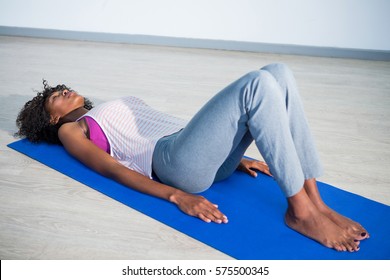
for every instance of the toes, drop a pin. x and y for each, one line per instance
(358, 233)
(351, 245)
(357, 242)
(338, 247)
(361, 231)
(347, 244)
(361, 235)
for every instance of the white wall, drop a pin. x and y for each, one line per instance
(356, 24)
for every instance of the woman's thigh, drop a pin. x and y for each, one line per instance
(212, 142)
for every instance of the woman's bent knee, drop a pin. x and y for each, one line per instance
(277, 68)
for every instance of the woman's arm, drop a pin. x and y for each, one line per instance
(79, 146)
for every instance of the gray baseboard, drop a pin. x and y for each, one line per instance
(196, 43)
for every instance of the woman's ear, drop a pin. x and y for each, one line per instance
(54, 120)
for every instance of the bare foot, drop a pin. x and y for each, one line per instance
(304, 217)
(352, 227)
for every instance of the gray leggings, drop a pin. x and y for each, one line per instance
(263, 106)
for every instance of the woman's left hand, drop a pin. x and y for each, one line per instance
(250, 166)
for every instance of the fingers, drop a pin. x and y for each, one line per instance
(252, 173)
(258, 165)
(266, 171)
(209, 213)
(200, 207)
(264, 168)
(212, 218)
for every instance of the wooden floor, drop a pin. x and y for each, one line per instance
(46, 215)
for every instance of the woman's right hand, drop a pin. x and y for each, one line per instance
(198, 206)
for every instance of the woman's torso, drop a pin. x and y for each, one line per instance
(129, 129)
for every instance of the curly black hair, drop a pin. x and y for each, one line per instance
(33, 120)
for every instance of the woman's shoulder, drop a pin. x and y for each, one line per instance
(71, 129)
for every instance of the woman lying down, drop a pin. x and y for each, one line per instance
(130, 142)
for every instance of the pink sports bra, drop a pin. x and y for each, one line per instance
(96, 134)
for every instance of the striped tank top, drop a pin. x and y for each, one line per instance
(132, 129)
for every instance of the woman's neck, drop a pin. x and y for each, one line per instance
(74, 115)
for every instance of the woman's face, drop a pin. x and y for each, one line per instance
(61, 103)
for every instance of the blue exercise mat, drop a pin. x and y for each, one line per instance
(255, 208)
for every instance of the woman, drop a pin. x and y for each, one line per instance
(128, 141)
